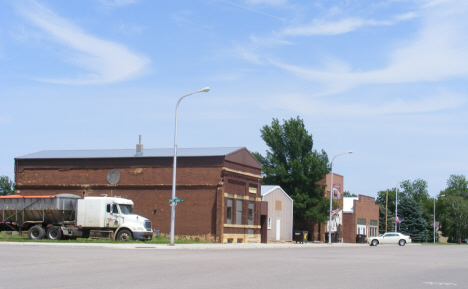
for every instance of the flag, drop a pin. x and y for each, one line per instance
(398, 220)
(438, 228)
(334, 212)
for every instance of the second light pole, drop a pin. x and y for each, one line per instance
(331, 196)
(174, 169)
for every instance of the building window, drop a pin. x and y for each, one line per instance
(269, 223)
(361, 226)
(251, 213)
(229, 211)
(373, 230)
(239, 212)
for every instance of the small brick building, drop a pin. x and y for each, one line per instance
(360, 217)
(220, 186)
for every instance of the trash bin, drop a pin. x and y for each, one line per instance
(305, 234)
(360, 238)
(299, 237)
(334, 237)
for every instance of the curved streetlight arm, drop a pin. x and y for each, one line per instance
(174, 168)
(331, 196)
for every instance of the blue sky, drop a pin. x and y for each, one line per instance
(386, 79)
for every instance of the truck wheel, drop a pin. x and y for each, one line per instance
(124, 235)
(375, 242)
(54, 233)
(36, 233)
(402, 242)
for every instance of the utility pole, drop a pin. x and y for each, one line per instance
(386, 209)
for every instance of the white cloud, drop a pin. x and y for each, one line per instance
(267, 2)
(439, 52)
(106, 61)
(311, 106)
(117, 3)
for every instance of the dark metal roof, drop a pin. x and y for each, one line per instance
(129, 153)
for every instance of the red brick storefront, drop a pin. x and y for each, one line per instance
(205, 178)
(362, 218)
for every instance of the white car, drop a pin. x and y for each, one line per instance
(389, 238)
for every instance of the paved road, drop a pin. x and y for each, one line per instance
(140, 266)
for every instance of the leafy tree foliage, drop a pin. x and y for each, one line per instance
(453, 208)
(381, 199)
(390, 220)
(6, 186)
(292, 163)
(414, 224)
(348, 194)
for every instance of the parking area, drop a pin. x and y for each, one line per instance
(308, 266)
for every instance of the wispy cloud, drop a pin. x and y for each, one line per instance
(311, 106)
(105, 61)
(117, 3)
(267, 2)
(439, 52)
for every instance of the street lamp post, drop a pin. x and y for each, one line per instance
(174, 169)
(331, 196)
(396, 203)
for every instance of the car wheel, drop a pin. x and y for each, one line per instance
(375, 242)
(402, 242)
(36, 233)
(54, 233)
(124, 235)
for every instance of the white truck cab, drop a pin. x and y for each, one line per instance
(112, 214)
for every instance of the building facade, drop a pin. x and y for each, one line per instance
(280, 214)
(220, 186)
(360, 217)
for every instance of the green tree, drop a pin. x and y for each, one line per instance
(453, 208)
(6, 186)
(381, 199)
(417, 190)
(390, 220)
(414, 223)
(347, 194)
(292, 163)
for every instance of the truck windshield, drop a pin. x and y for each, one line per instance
(126, 209)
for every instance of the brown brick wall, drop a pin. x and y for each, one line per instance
(148, 182)
(364, 208)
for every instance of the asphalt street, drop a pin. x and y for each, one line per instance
(55, 266)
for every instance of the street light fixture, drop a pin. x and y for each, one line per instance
(174, 169)
(396, 203)
(434, 218)
(331, 196)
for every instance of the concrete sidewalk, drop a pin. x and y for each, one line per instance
(210, 246)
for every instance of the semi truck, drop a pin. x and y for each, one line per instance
(67, 216)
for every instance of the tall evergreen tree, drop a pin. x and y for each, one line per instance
(414, 224)
(292, 163)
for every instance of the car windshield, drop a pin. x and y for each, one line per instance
(126, 209)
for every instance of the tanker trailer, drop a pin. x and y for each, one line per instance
(69, 216)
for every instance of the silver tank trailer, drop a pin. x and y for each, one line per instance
(58, 209)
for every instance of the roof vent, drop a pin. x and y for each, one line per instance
(139, 149)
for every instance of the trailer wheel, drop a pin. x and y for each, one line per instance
(54, 233)
(36, 233)
(124, 235)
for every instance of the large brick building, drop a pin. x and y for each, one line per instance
(360, 217)
(220, 186)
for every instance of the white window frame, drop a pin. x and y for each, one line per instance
(269, 223)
